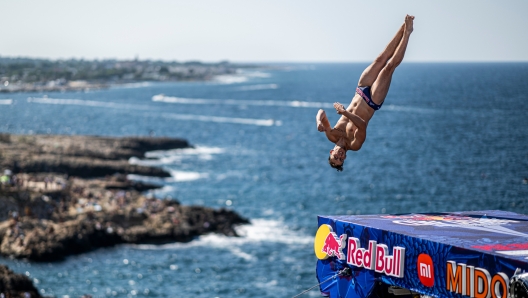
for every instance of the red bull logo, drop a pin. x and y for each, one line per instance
(328, 244)
(376, 257)
(333, 246)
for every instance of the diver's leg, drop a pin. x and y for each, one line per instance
(381, 85)
(370, 73)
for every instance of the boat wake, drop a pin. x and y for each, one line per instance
(89, 103)
(258, 87)
(240, 77)
(240, 102)
(113, 105)
(217, 119)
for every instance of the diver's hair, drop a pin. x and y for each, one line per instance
(338, 168)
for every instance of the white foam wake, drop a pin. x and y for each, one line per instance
(265, 230)
(113, 105)
(176, 176)
(397, 108)
(170, 156)
(231, 79)
(258, 87)
(160, 158)
(158, 162)
(89, 103)
(260, 231)
(133, 85)
(149, 179)
(240, 76)
(180, 176)
(216, 119)
(6, 101)
(203, 101)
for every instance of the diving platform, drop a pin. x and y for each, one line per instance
(452, 254)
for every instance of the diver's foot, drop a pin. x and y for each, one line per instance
(409, 20)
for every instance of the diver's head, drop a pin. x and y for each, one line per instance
(337, 158)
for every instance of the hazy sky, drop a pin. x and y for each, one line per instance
(271, 30)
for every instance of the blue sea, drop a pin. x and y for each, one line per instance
(450, 137)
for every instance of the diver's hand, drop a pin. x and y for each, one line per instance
(320, 127)
(340, 109)
(320, 116)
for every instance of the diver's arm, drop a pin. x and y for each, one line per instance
(322, 122)
(358, 121)
(324, 125)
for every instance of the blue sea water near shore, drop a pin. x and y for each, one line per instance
(450, 137)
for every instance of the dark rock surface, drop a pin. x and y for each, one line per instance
(81, 156)
(68, 195)
(16, 285)
(142, 220)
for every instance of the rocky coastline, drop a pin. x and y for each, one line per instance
(43, 75)
(70, 86)
(64, 195)
(16, 285)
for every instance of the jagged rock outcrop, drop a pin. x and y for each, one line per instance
(81, 156)
(16, 285)
(69, 194)
(48, 240)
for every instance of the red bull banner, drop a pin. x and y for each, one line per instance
(456, 254)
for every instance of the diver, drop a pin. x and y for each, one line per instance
(350, 131)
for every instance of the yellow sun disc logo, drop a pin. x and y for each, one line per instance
(320, 239)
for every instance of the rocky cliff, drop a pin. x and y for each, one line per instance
(16, 285)
(81, 156)
(65, 195)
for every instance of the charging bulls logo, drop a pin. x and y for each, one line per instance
(328, 244)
